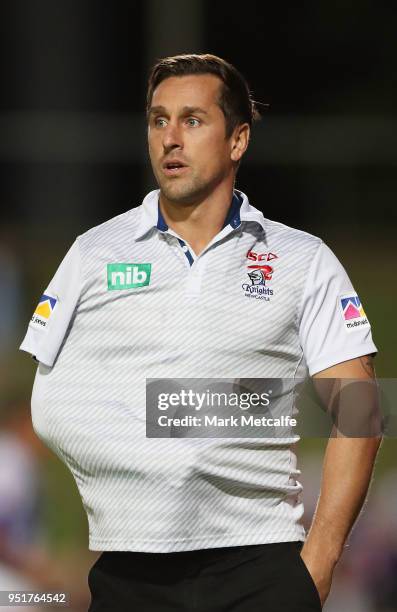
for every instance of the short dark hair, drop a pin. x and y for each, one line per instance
(235, 98)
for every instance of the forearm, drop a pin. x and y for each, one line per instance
(347, 470)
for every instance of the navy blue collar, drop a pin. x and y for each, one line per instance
(232, 217)
(161, 224)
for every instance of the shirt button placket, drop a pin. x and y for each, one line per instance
(193, 287)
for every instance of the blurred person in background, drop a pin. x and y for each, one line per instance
(373, 555)
(217, 524)
(25, 561)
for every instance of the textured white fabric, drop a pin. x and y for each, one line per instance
(197, 321)
(323, 334)
(65, 287)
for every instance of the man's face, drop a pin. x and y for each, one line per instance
(187, 126)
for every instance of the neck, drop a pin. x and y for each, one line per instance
(198, 222)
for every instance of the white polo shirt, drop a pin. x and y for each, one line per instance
(131, 301)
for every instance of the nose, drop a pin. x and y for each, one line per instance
(172, 138)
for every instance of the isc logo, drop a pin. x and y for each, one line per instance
(128, 275)
(261, 256)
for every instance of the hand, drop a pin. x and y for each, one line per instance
(321, 573)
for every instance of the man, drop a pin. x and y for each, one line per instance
(198, 524)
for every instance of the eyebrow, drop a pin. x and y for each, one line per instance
(186, 110)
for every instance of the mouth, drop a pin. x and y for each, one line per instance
(174, 168)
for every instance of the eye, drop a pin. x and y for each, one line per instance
(159, 122)
(193, 122)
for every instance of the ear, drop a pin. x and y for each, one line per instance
(239, 141)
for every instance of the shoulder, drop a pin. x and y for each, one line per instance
(291, 239)
(112, 231)
(305, 248)
(290, 232)
(276, 231)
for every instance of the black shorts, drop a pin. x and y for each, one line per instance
(254, 578)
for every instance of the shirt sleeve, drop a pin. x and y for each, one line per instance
(51, 319)
(333, 326)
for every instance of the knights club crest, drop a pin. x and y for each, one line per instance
(259, 277)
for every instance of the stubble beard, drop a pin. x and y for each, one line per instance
(185, 190)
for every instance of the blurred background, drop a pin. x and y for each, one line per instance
(73, 154)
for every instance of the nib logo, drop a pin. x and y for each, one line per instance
(128, 275)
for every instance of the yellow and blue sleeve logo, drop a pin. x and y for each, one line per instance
(44, 310)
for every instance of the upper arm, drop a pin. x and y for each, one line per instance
(334, 331)
(55, 309)
(358, 368)
(349, 393)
